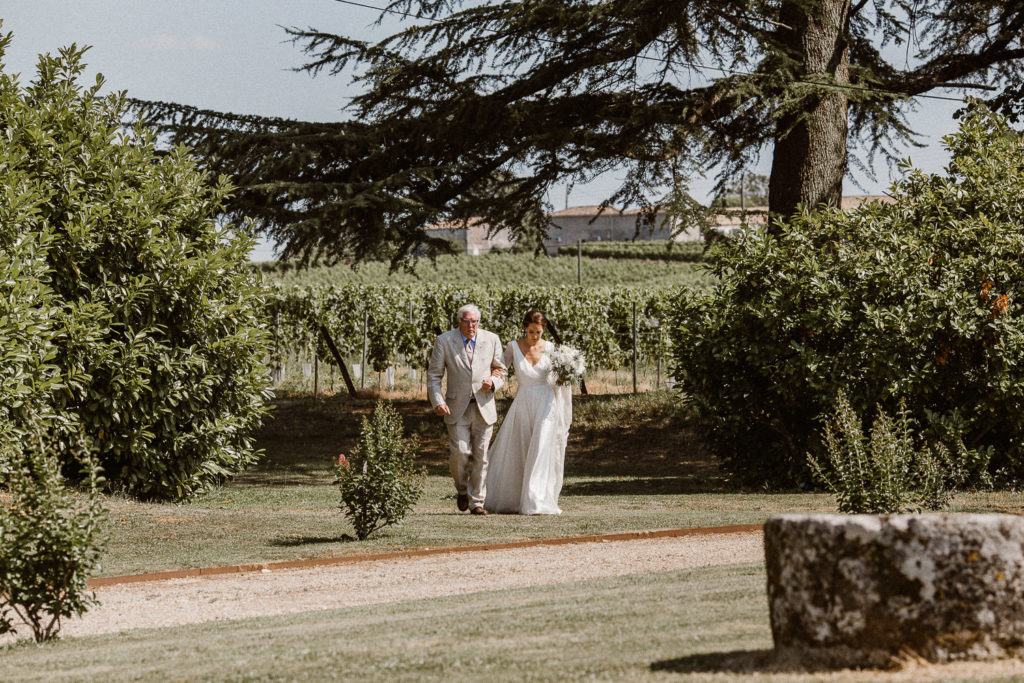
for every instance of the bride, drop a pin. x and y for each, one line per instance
(526, 458)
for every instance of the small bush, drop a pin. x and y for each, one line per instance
(379, 481)
(49, 538)
(916, 299)
(885, 473)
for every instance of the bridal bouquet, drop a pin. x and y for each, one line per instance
(568, 363)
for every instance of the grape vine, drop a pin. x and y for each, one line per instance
(656, 251)
(402, 321)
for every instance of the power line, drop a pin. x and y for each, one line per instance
(694, 65)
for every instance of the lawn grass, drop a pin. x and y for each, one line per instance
(634, 627)
(704, 624)
(304, 521)
(631, 465)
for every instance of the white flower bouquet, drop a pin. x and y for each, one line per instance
(568, 363)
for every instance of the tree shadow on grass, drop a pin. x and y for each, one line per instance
(295, 541)
(639, 437)
(304, 435)
(641, 486)
(753, 663)
(737, 661)
(639, 444)
(275, 473)
(437, 469)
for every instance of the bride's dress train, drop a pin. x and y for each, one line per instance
(526, 460)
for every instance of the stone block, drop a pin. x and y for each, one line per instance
(865, 590)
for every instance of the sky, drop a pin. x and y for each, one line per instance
(234, 55)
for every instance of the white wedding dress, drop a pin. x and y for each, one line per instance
(526, 460)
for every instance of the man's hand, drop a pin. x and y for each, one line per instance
(442, 409)
(488, 384)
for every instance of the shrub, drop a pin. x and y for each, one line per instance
(158, 336)
(48, 533)
(885, 473)
(29, 377)
(49, 538)
(379, 482)
(916, 300)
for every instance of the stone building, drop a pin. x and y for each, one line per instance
(590, 224)
(729, 222)
(473, 236)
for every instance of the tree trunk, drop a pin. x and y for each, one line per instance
(810, 139)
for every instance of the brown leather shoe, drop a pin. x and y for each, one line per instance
(463, 502)
(479, 511)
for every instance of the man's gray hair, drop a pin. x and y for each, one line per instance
(468, 308)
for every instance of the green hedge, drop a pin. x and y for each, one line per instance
(154, 321)
(916, 300)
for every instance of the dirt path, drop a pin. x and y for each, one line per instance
(235, 596)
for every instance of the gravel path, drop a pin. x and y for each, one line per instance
(236, 596)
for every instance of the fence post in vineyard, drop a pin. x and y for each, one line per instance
(339, 360)
(661, 338)
(558, 340)
(362, 368)
(316, 373)
(437, 333)
(411, 368)
(579, 262)
(634, 347)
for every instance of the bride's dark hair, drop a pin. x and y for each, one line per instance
(535, 316)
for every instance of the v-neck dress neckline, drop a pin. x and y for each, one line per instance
(533, 366)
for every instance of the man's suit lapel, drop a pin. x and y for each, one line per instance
(460, 349)
(478, 351)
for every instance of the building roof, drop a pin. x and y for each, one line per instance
(755, 214)
(855, 200)
(460, 224)
(589, 210)
(634, 211)
(758, 215)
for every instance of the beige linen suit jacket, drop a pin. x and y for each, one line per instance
(449, 355)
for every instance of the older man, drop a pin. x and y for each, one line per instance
(472, 359)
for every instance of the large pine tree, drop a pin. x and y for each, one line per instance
(476, 110)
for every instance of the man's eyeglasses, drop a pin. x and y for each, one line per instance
(469, 322)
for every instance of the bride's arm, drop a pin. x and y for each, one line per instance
(498, 376)
(510, 356)
(497, 367)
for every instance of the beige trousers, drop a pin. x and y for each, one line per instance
(468, 439)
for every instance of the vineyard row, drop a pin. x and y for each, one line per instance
(401, 322)
(661, 250)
